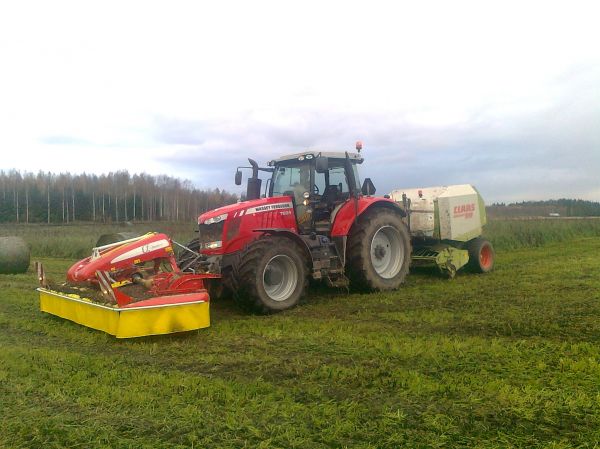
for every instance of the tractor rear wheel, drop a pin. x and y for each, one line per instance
(481, 255)
(378, 251)
(270, 274)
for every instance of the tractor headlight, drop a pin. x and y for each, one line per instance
(213, 220)
(213, 245)
(306, 198)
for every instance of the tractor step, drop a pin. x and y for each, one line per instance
(340, 281)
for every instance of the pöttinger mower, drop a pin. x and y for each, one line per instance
(130, 288)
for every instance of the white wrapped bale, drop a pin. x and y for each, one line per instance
(14, 255)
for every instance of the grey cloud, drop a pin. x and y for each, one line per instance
(554, 152)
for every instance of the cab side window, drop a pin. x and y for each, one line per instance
(285, 180)
(337, 177)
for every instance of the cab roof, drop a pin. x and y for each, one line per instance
(355, 157)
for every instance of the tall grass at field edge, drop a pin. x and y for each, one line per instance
(514, 234)
(74, 241)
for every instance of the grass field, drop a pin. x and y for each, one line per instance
(508, 359)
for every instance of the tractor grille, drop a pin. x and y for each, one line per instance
(210, 233)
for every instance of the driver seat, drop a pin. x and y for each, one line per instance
(327, 203)
(330, 195)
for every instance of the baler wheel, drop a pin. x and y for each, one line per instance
(379, 251)
(270, 274)
(481, 255)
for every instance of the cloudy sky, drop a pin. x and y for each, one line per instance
(504, 95)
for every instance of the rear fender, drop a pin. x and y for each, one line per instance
(353, 209)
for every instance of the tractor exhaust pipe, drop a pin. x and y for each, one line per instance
(254, 183)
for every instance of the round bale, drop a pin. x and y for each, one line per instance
(14, 255)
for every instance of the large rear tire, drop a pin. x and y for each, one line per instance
(378, 251)
(270, 274)
(481, 255)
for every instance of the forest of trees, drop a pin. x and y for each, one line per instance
(119, 196)
(64, 198)
(563, 207)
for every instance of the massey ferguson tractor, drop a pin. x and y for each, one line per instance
(313, 220)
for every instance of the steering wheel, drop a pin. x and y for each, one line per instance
(315, 189)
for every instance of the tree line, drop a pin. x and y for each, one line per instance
(63, 198)
(564, 207)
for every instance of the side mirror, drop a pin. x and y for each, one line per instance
(321, 164)
(368, 188)
(238, 178)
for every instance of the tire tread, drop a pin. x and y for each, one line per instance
(243, 272)
(357, 261)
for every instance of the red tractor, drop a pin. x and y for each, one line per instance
(314, 220)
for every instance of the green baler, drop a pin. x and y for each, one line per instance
(446, 224)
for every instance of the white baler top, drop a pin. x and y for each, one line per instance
(455, 212)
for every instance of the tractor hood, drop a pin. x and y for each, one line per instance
(245, 207)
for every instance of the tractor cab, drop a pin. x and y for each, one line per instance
(319, 183)
(311, 219)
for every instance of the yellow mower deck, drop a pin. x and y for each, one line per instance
(127, 322)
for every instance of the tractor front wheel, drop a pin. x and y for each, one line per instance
(186, 259)
(481, 255)
(271, 274)
(378, 251)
